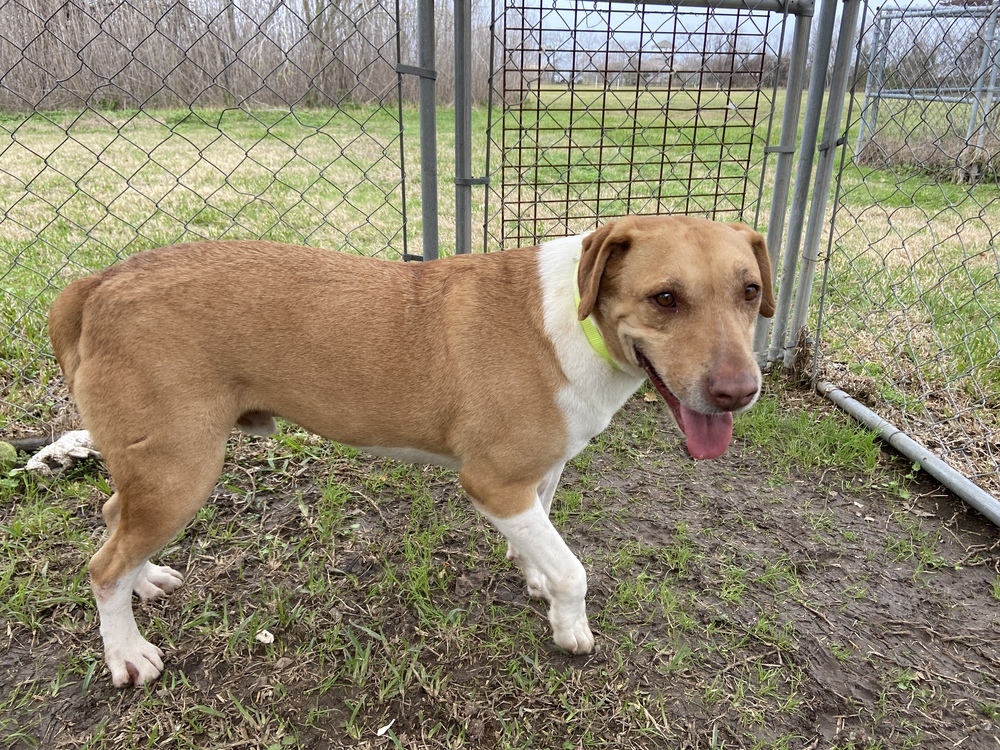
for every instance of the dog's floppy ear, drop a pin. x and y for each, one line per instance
(759, 245)
(597, 248)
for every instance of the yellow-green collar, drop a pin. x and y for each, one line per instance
(589, 327)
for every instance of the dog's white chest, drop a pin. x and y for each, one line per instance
(595, 390)
(589, 414)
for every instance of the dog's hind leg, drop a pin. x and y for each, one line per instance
(161, 483)
(551, 571)
(153, 581)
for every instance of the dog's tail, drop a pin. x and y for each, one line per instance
(66, 324)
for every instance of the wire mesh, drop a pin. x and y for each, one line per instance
(931, 86)
(912, 321)
(608, 109)
(130, 125)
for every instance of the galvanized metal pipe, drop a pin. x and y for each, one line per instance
(792, 7)
(991, 92)
(866, 127)
(463, 126)
(881, 60)
(970, 11)
(803, 175)
(489, 123)
(786, 158)
(428, 129)
(965, 488)
(918, 95)
(402, 144)
(982, 97)
(824, 173)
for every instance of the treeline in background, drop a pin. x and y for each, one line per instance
(115, 54)
(145, 54)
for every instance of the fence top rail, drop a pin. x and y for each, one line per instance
(969, 11)
(926, 95)
(791, 7)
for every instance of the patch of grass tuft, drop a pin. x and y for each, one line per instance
(801, 440)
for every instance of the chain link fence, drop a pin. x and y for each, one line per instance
(931, 87)
(911, 320)
(131, 125)
(607, 109)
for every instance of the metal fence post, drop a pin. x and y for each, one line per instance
(873, 84)
(786, 150)
(979, 111)
(428, 129)
(463, 126)
(824, 171)
(803, 175)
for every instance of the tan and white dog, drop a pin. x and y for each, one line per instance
(504, 366)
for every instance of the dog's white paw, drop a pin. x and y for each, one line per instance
(136, 662)
(155, 581)
(573, 636)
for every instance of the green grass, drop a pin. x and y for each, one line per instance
(806, 440)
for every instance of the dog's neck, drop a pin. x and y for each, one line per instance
(590, 329)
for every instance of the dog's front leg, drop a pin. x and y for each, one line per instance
(550, 569)
(552, 572)
(546, 491)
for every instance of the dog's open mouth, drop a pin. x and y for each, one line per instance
(707, 435)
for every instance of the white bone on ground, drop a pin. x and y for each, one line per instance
(63, 454)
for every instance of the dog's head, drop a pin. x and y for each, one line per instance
(676, 298)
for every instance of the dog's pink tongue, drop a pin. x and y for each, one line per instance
(708, 435)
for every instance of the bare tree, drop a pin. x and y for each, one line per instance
(57, 54)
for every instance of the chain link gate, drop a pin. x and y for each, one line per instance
(130, 125)
(911, 305)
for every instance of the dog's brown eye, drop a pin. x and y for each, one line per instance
(751, 292)
(665, 299)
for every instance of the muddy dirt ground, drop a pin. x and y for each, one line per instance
(736, 606)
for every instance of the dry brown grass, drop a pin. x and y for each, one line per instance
(948, 157)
